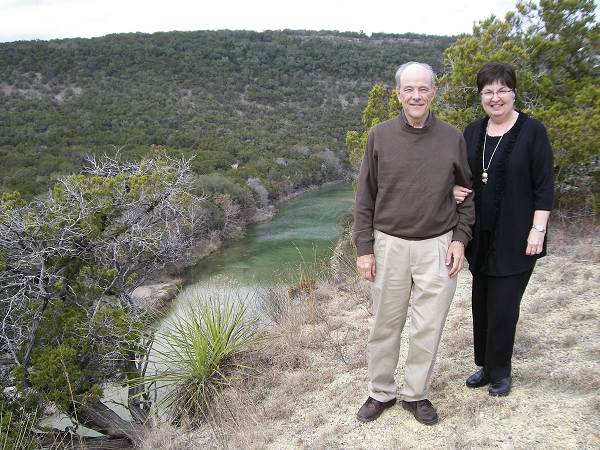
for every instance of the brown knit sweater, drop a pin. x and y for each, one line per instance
(405, 183)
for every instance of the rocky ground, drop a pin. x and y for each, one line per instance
(313, 375)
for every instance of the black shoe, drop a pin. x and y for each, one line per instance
(501, 387)
(423, 411)
(372, 409)
(478, 379)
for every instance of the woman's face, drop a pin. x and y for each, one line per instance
(497, 100)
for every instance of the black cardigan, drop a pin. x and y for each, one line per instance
(525, 183)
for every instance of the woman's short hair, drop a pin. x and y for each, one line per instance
(494, 71)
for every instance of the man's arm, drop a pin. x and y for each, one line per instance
(461, 234)
(366, 193)
(466, 210)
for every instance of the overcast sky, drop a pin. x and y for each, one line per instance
(53, 19)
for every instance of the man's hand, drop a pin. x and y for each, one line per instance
(460, 193)
(366, 266)
(456, 256)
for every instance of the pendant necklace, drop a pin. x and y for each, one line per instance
(484, 174)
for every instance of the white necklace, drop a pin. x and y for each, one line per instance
(484, 174)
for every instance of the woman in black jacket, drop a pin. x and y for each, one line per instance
(511, 162)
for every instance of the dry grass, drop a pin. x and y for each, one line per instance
(313, 372)
(168, 437)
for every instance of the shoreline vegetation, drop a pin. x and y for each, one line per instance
(92, 240)
(161, 289)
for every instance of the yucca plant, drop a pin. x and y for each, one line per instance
(199, 352)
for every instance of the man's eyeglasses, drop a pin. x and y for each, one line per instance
(502, 92)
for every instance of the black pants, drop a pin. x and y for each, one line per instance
(496, 302)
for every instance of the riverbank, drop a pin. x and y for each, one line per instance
(164, 286)
(263, 215)
(312, 374)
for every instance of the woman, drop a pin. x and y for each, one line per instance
(511, 162)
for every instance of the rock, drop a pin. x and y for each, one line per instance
(154, 296)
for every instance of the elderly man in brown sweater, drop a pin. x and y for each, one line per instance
(410, 236)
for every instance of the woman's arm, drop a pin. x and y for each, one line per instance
(542, 168)
(535, 241)
(460, 193)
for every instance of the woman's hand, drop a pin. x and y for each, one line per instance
(460, 193)
(535, 242)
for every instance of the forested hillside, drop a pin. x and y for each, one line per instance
(273, 105)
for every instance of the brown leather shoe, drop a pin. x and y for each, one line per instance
(372, 409)
(423, 411)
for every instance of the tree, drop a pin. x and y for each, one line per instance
(69, 263)
(383, 104)
(226, 97)
(553, 46)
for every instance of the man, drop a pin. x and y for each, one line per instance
(410, 235)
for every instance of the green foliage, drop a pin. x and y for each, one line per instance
(11, 200)
(71, 323)
(200, 352)
(16, 429)
(553, 46)
(376, 108)
(65, 367)
(382, 105)
(57, 366)
(224, 97)
(574, 127)
(215, 185)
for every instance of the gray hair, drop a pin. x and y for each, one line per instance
(413, 63)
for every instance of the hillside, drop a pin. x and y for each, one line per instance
(274, 105)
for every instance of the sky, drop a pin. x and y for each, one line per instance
(55, 19)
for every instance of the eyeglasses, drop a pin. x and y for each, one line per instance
(489, 94)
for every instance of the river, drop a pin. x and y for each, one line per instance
(302, 232)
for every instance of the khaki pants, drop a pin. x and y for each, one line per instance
(402, 265)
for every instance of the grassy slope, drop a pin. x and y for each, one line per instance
(314, 376)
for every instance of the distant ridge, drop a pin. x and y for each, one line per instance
(227, 97)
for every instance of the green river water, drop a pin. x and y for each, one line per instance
(303, 231)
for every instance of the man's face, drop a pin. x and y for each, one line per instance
(415, 93)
